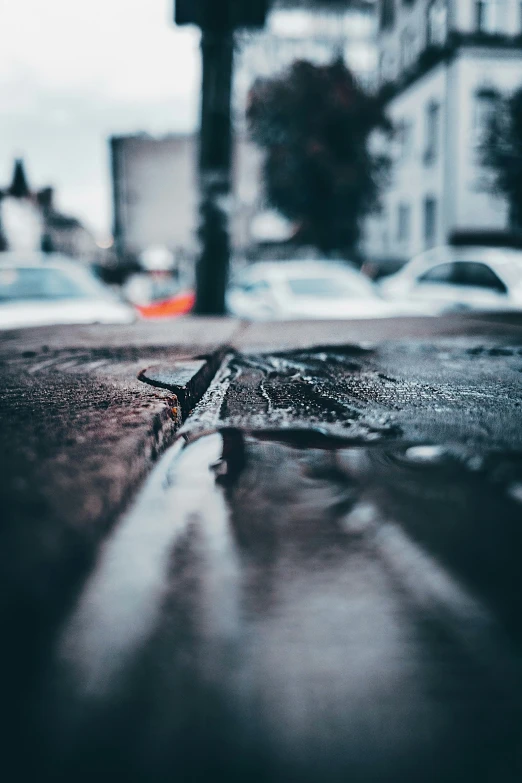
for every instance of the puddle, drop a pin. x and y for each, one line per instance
(275, 593)
(426, 455)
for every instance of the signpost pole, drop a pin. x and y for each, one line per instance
(215, 157)
(218, 19)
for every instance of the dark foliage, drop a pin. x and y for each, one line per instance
(314, 123)
(502, 152)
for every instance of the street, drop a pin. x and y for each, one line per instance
(315, 575)
(261, 391)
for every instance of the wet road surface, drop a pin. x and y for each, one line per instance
(320, 580)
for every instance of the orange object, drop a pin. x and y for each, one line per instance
(168, 308)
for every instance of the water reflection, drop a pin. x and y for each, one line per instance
(121, 602)
(298, 610)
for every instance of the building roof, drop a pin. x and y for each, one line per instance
(19, 187)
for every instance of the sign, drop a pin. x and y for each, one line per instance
(221, 14)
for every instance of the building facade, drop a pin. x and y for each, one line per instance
(30, 221)
(155, 193)
(444, 65)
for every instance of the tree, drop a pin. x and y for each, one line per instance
(502, 153)
(314, 123)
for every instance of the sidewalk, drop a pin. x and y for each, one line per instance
(79, 429)
(364, 500)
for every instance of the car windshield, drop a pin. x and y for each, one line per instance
(35, 283)
(328, 287)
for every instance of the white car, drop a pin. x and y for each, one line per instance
(457, 279)
(307, 289)
(38, 289)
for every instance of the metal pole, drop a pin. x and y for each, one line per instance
(215, 155)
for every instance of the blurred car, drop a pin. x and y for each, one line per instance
(38, 289)
(306, 289)
(157, 294)
(457, 279)
(180, 304)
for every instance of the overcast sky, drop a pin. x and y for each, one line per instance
(72, 72)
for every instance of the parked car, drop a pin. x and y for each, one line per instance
(179, 304)
(448, 279)
(38, 289)
(306, 289)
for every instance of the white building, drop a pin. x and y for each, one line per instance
(445, 64)
(30, 221)
(155, 193)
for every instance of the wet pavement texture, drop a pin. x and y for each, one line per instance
(451, 392)
(319, 580)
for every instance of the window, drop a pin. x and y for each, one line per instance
(478, 275)
(335, 287)
(254, 287)
(382, 68)
(485, 106)
(408, 49)
(488, 16)
(442, 274)
(437, 23)
(403, 223)
(432, 132)
(34, 283)
(385, 228)
(471, 274)
(404, 139)
(388, 66)
(430, 222)
(387, 15)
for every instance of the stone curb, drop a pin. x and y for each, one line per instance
(188, 380)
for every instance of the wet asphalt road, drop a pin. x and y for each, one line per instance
(320, 580)
(327, 628)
